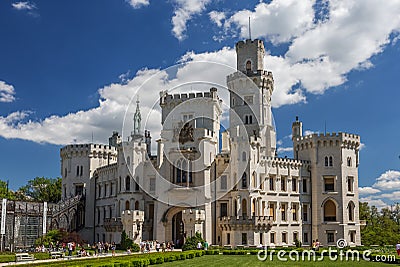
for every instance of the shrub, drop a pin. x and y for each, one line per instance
(211, 252)
(191, 242)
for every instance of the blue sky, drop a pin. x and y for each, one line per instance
(68, 68)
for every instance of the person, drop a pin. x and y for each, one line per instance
(398, 248)
(314, 245)
(163, 246)
(205, 245)
(70, 249)
(157, 246)
(317, 245)
(113, 248)
(129, 251)
(199, 245)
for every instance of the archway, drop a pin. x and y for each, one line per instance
(178, 230)
(329, 211)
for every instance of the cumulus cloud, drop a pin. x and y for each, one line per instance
(183, 12)
(138, 3)
(368, 190)
(23, 5)
(390, 180)
(284, 149)
(7, 92)
(217, 17)
(384, 191)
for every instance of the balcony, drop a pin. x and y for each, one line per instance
(112, 224)
(243, 222)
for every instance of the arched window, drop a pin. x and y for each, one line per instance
(330, 161)
(136, 205)
(77, 170)
(137, 184)
(244, 207)
(326, 162)
(184, 171)
(244, 180)
(329, 211)
(81, 170)
(350, 208)
(248, 65)
(246, 119)
(349, 161)
(250, 119)
(244, 156)
(127, 183)
(178, 172)
(65, 172)
(127, 205)
(109, 212)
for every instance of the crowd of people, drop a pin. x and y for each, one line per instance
(147, 246)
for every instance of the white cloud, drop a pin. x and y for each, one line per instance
(7, 92)
(138, 3)
(390, 180)
(368, 190)
(280, 20)
(184, 11)
(217, 17)
(308, 132)
(362, 146)
(284, 149)
(374, 202)
(23, 5)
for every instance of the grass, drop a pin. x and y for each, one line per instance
(252, 261)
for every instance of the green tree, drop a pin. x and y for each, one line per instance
(126, 242)
(43, 189)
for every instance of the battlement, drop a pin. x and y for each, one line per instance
(249, 42)
(327, 139)
(87, 150)
(165, 97)
(246, 74)
(286, 161)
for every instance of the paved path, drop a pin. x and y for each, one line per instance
(12, 263)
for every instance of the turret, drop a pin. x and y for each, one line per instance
(297, 129)
(247, 60)
(147, 140)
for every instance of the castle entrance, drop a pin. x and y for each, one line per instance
(178, 230)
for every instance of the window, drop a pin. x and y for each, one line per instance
(244, 208)
(152, 184)
(98, 216)
(248, 65)
(330, 161)
(224, 210)
(105, 189)
(294, 185)
(305, 237)
(284, 237)
(136, 184)
(283, 212)
(223, 182)
(326, 162)
(271, 184)
(305, 213)
(244, 238)
(352, 236)
(77, 170)
(349, 162)
(112, 189)
(228, 238)
(243, 156)
(350, 184)
(295, 212)
(244, 181)
(295, 236)
(283, 184)
(304, 185)
(81, 171)
(261, 238)
(120, 184)
(329, 184)
(127, 183)
(329, 211)
(272, 238)
(65, 172)
(350, 208)
(330, 237)
(272, 211)
(109, 212)
(127, 205)
(136, 205)
(104, 213)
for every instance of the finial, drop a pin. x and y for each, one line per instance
(249, 29)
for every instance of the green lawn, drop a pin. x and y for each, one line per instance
(252, 261)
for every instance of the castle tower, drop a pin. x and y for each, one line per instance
(137, 120)
(334, 184)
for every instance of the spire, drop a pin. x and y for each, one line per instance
(249, 29)
(137, 119)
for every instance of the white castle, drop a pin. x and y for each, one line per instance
(230, 187)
